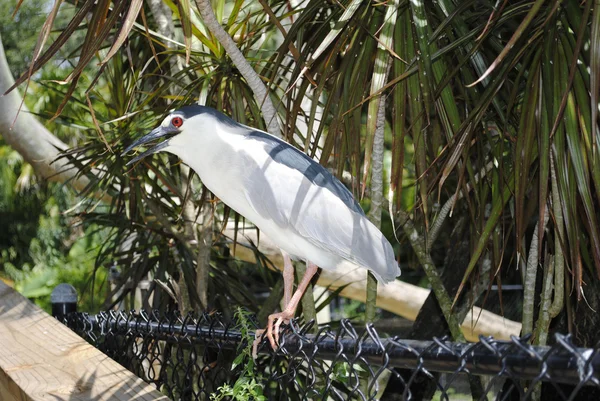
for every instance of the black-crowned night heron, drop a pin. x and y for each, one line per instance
(300, 205)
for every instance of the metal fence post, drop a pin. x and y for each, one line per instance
(64, 300)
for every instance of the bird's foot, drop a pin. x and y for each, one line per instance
(273, 328)
(257, 339)
(274, 324)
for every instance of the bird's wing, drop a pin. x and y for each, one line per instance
(299, 194)
(287, 155)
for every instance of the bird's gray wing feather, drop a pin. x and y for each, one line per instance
(282, 152)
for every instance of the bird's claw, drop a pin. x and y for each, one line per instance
(257, 339)
(273, 328)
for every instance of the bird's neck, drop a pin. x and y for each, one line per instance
(210, 152)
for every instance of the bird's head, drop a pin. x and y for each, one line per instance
(184, 121)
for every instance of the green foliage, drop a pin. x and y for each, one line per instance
(249, 385)
(19, 34)
(40, 245)
(481, 101)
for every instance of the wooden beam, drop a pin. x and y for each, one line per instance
(397, 297)
(41, 359)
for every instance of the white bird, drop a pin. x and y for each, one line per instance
(298, 203)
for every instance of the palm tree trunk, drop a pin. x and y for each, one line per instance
(256, 84)
(24, 133)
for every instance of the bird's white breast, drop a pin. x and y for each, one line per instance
(227, 162)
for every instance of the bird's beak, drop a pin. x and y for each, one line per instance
(156, 133)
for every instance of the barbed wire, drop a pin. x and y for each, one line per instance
(206, 357)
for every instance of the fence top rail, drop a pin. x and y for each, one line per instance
(41, 359)
(560, 363)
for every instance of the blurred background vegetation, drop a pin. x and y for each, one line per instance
(40, 245)
(490, 172)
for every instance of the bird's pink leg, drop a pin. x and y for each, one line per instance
(288, 279)
(288, 287)
(290, 303)
(276, 319)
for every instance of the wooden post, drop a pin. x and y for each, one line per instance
(41, 359)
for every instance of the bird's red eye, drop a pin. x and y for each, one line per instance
(177, 122)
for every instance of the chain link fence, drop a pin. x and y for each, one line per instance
(206, 357)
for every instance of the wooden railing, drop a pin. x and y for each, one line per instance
(41, 359)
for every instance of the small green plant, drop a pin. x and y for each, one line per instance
(249, 385)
